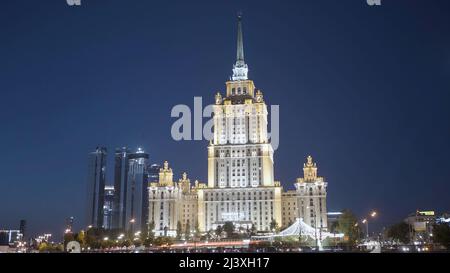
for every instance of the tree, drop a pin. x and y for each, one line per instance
(209, 234)
(159, 241)
(197, 230)
(441, 234)
(179, 230)
(228, 227)
(68, 237)
(348, 224)
(399, 232)
(253, 230)
(43, 247)
(187, 233)
(81, 238)
(151, 232)
(219, 230)
(274, 225)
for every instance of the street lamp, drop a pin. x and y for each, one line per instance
(364, 221)
(373, 214)
(131, 225)
(315, 224)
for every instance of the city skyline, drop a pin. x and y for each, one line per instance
(372, 155)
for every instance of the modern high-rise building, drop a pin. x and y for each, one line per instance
(96, 187)
(136, 205)
(69, 224)
(120, 187)
(153, 172)
(108, 207)
(9, 237)
(23, 227)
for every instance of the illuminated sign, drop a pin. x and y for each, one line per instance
(426, 213)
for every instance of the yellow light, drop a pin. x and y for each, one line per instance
(373, 214)
(364, 221)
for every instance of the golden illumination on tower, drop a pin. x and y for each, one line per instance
(184, 183)
(309, 171)
(166, 175)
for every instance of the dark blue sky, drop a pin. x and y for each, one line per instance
(363, 89)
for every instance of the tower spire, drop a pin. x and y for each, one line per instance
(240, 69)
(240, 42)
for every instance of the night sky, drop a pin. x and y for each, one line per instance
(364, 90)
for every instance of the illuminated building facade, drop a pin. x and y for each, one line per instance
(308, 200)
(241, 187)
(170, 202)
(96, 187)
(108, 207)
(136, 202)
(121, 167)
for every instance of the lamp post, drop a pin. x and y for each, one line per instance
(300, 232)
(373, 214)
(315, 225)
(364, 221)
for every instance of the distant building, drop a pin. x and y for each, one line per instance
(308, 200)
(333, 218)
(444, 219)
(171, 202)
(96, 187)
(69, 224)
(120, 186)
(421, 223)
(23, 227)
(136, 205)
(108, 207)
(153, 173)
(9, 237)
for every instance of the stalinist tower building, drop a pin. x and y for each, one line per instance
(241, 186)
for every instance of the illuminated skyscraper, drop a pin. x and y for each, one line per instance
(96, 187)
(241, 186)
(153, 173)
(136, 202)
(23, 228)
(120, 187)
(108, 207)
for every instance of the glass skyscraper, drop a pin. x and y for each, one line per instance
(96, 187)
(136, 193)
(153, 173)
(120, 186)
(131, 176)
(108, 207)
